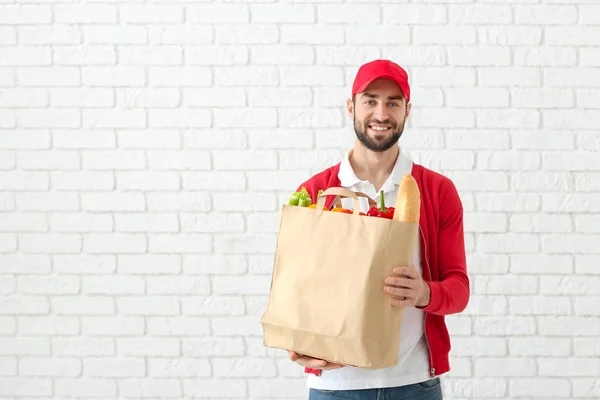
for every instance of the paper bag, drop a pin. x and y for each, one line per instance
(326, 298)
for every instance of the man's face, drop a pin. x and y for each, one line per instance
(379, 114)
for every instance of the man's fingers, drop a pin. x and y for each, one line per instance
(401, 282)
(310, 362)
(402, 303)
(400, 292)
(407, 271)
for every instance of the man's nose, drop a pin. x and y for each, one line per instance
(380, 112)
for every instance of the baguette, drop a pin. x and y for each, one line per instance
(408, 201)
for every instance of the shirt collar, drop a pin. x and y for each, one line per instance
(348, 178)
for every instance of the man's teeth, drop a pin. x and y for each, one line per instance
(379, 128)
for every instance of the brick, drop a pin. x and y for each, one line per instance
(213, 346)
(150, 55)
(510, 35)
(283, 13)
(147, 305)
(570, 202)
(308, 118)
(490, 284)
(151, 14)
(114, 367)
(113, 160)
(137, 346)
(569, 285)
(515, 160)
(460, 326)
(508, 202)
(25, 14)
(415, 14)
(589, 15)
(568, 367)
(25, 56)
(540, 305)
(247, 285)
(49, 34)
(178, 326)
(24, 97)
(8, 243)
(55, 243)
(510, 367)
(197, 285)
(198, 202)
(83, 139)
(25, 263)
(179, 367)
(181, 34)
(348, 14)
(446, 35)
(480, 14)
(485, 222)
(84, 55)
(586, 305)
(279, 97)
(248, 76)
(542, 263)
(7, 76)
(112, 326)
(564, 78)
(218, 13)
(58, 367)
(214, 97)
(114, 77)
(214, 222)
(149, 264)
(524, 387)
(541, 223)
(542, 98)
(53, 284)
(49, 118)
(25, 346)
(83, 98)
(547, 140)
(539, 346)
(180, 76)
(180, 118)
(25, 139)
(486, 305)
(8, 160)
(545, 14)
(184, 243)
(150, 387)
(588, 98)
(8, 284)
(572, 119)
(480, 139)
(569, 326)
(83, 346)
(107, 34)
(572, 35)
(479, 388)
(114, 118)
(547, 56)
(82, 386)
(508, 119)
(150, 139)
(114, 243)
(147, 181)
(211, 263)
(85, 14)
(540, 181)
(238, 201)
(83, 305)
(82, 181)
(509, 77)
(146, 222)
(317, 34)
(84, 264)
(48, 325)
(23, 222)
(217, 55)
(446, 118)
(213, 138)
(477, 98)
(53, 76)
(488, 263)
(586, 347)
(244, 367)
(215, 387)
(55, 160)
(246, 34)
(114, 201)
(8, 366)
(262, 223)
(480, 181)
(25, 387)
(393, 34)
(586, 387)
(285, 55)
(267, 388)
(112, 285)
(212, 306)
(235, 326)
(574, 243)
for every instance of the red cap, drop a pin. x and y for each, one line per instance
(381, 69)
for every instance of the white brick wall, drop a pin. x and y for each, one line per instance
(145, 150)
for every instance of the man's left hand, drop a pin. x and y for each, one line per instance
(407, 288)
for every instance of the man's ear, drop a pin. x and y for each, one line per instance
(408, 108)
(350, 107)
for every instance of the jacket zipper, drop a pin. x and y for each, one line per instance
(432, 370)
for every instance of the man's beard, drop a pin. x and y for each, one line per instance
(378, 145)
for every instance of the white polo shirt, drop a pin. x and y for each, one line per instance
(413, 358)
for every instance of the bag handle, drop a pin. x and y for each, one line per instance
(342, 192)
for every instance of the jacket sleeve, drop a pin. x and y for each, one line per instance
(450, 295)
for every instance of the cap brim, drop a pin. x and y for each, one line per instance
(366, 84)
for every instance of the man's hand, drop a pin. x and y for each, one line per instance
(407, 288)
(310, 362)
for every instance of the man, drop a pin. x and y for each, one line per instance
(436, 284)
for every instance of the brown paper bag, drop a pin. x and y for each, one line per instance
(326, 298)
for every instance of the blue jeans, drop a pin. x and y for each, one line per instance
(428, 390)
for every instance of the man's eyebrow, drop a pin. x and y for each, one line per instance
(374, 96)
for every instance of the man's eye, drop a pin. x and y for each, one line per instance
(393, 105)
(369, 102)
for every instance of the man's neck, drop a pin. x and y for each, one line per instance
(371, 166)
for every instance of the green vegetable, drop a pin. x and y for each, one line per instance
(301, 198)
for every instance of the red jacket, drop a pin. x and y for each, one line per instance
(442, 251)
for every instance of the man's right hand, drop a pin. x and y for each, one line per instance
(311, 362)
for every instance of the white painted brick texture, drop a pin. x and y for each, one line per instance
(145, 150)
